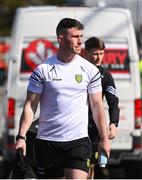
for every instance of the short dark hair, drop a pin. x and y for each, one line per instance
(67, 23)
(94, 42)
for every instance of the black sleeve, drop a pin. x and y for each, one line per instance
(109, 91)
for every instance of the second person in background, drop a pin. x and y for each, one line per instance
(95, 49)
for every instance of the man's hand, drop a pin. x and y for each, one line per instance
(21, 144)
(104, 145)
(112, 131)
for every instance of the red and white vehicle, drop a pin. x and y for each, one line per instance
(34, 39)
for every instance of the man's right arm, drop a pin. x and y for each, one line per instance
(26, 118)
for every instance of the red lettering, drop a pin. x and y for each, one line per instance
(114, 57)
(121, 57)
(109, 58)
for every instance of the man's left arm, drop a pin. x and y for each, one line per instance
(112, 101)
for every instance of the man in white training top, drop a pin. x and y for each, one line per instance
(62, 84)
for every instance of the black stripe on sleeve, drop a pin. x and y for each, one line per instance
(95, 78)
(36, 77)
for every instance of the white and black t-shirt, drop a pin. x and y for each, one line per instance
(64, 88)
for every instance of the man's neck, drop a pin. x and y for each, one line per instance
(64, 57)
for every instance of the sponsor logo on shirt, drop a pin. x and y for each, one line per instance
(55, 79)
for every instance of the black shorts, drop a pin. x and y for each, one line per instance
(53, 157)
(94, 156)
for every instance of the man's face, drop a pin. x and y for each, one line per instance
(72, 40)
(95, 56)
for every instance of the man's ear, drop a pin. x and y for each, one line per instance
(60, 39)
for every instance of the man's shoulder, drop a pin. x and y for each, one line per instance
(49, 61)
(105, 72)
(86, 64)
(46, 65)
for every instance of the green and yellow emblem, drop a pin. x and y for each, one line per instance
(78, 78)
(88, 162)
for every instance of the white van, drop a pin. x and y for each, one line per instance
(34, 39)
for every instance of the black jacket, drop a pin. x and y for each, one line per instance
(109, 91)
(21, 167)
